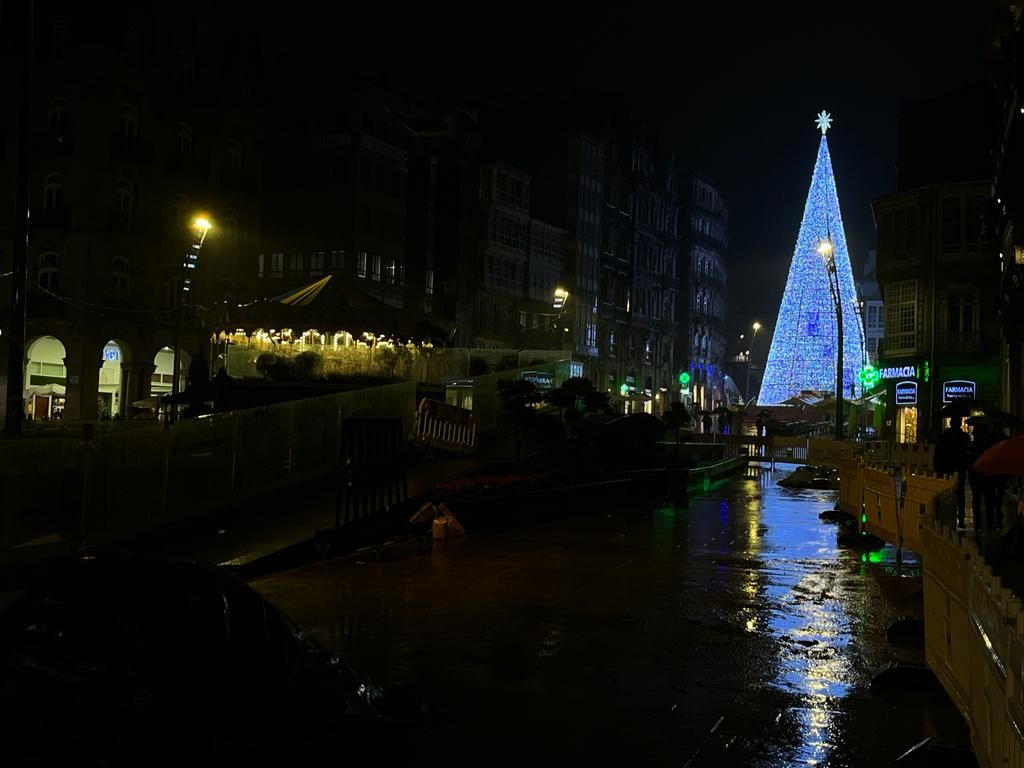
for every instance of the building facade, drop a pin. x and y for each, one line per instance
(936, 273)
(704, 224)
(126, 148)
(1008, 202)
(872, 308)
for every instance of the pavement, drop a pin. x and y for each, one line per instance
(732, 631)
(275, 522)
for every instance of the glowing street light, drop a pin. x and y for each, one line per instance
(561, 296)
(201, 226)
(757, 327)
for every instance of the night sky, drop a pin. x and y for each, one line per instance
(731, 91)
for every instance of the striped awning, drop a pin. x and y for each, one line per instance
(304, 296)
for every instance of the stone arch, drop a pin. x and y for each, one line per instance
(113, 390)
(163, 362)
(45, 383)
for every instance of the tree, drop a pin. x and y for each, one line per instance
(519, 399)
(803, 351)
(577, 396)
(676, 418)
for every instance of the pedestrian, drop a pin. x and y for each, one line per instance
(982, 490)
(950, 458)
(706, 423)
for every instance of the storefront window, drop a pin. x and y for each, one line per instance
(906, 425)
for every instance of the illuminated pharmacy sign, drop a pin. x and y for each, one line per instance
(959, 389)
(906, 393)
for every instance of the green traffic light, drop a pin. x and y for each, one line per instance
(684, 378)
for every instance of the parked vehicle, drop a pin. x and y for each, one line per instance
(118, 660)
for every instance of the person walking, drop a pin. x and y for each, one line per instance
(950, 458)
(982, 490)
(706, 423)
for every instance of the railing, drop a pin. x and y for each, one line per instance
(447, 427)
(974, 642)
(122, 483)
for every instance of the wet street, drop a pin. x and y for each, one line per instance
(731, 632)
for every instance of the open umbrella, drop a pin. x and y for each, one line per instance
(1003, 458)
(957, 409)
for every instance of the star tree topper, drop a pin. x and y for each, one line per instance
(824, 122)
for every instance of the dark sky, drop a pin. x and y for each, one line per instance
(732, 90)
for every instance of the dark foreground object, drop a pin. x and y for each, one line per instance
(118, 660)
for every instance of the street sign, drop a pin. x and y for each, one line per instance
(958, 389)
(906, 393)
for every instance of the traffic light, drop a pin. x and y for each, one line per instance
(684, 378)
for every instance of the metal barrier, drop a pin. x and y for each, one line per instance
(448, 427)
(125, 482)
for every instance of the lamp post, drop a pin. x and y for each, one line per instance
(746, 390)
(828, 256)
(200, 228)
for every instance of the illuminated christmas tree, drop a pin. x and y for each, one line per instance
(803, 351)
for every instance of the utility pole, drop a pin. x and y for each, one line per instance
(22, 30)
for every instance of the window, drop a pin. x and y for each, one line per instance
(961, 310)
(186, 71)
(901, 317)
(234, 155)
(133, 45)
(951, 230)
(389, 274)
(316, 263)
(184, 139)
(612, 343)
(648, 351)
(430, 282)
(125, 200)
(53, 191)
(522, 318)
(297, 263)
(57, 117)
(48, 274)
(375, 275)
(230, 225)
(277, 265)
(129, 122)
(591, 331)
(361, 264)
(337, 261)
(181, 210)
(119, 281)
(259, 266)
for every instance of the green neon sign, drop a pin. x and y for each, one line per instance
(684, 378)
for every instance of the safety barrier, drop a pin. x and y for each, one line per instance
(974, 642)
(828, 451)
(126, 482)
(851, 485)
(447, 427)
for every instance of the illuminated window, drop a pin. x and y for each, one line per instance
(297, 263)
(259, 266)
(375, 275)
(430, 282)
(361, 264)
(389, 274)
(277, 265)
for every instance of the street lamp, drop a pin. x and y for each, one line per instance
(757, 327)
(561, 296)
(201, 227)
(827, 253)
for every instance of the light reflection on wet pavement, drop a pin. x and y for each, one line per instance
(732, 632)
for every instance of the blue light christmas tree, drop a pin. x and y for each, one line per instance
(803, 351)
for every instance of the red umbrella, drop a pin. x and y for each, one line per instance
(1003, 458)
